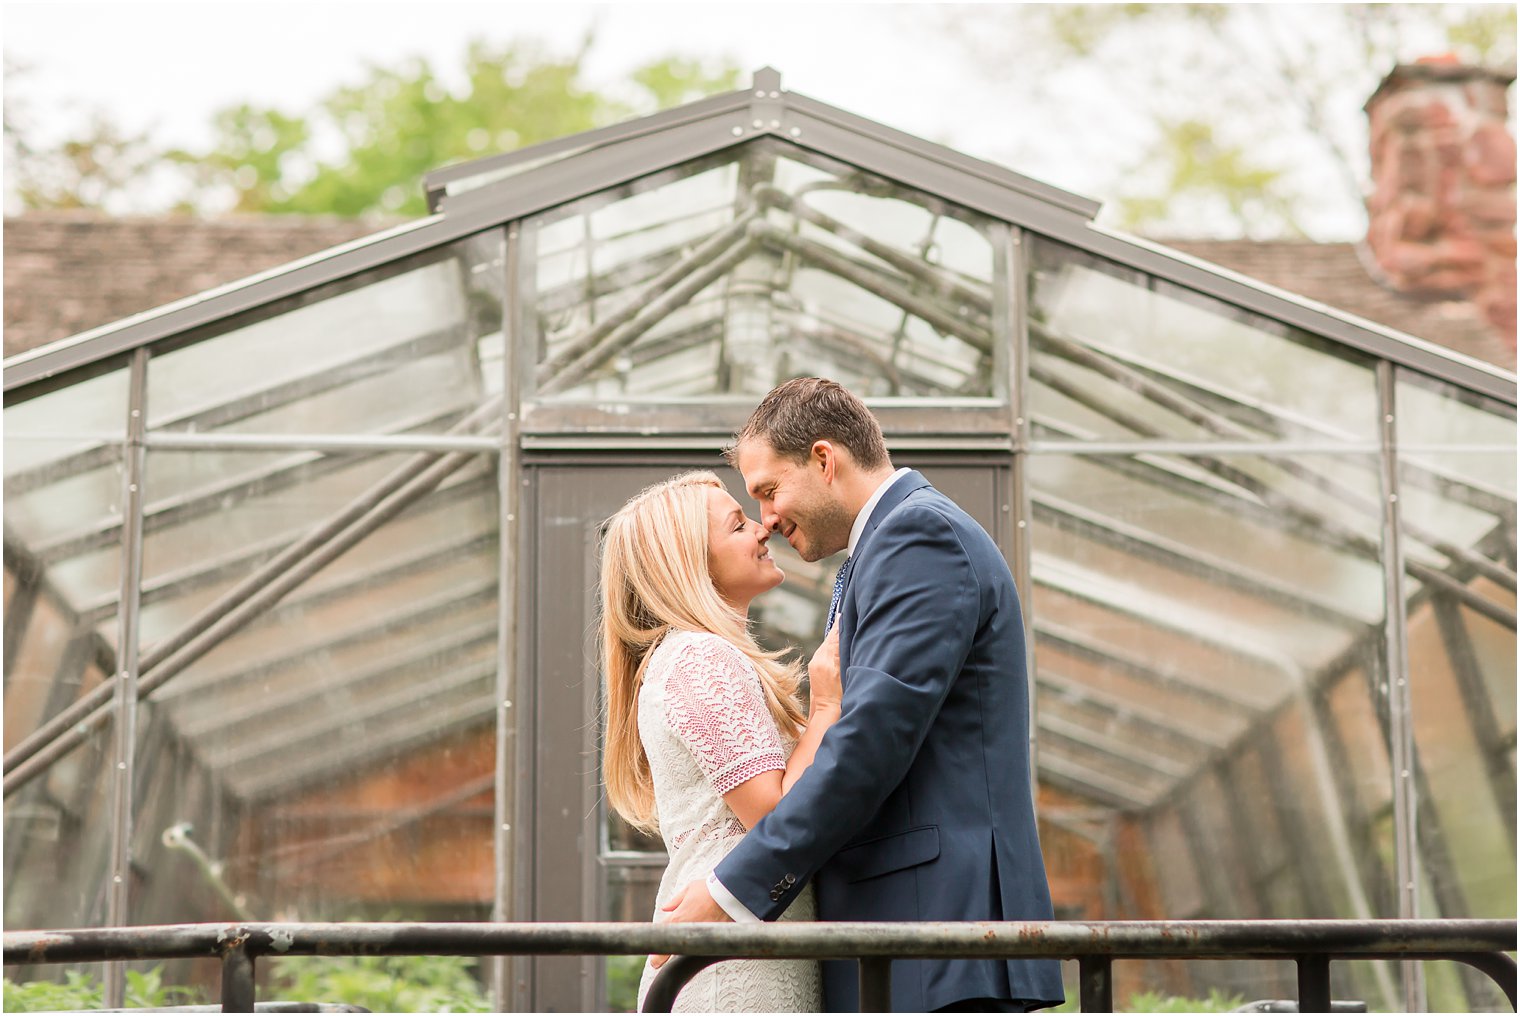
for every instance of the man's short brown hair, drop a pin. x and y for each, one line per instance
(807, 409)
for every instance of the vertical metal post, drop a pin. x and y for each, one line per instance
(508, 489)
(1095, 983)
(237, 980)
(875, 984)
(117, 899)
(1010, 332)
(1313, 984)
(1400, 721)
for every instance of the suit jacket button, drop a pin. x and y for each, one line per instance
(775, 895)
(791, 879)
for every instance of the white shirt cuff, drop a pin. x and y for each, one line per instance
(730, 903)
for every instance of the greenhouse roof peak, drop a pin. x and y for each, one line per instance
(470, 199)
(736, 117)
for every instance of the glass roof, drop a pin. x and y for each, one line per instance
(713, 279)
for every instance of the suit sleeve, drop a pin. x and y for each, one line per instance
(916, 598)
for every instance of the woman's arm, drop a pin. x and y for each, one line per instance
(753, 799)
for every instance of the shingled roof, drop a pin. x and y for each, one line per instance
(68, 272)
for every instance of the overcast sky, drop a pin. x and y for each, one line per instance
(168, 65)
(165, 67)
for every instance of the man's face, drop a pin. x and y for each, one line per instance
(796, 498)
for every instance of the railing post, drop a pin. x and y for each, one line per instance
(876, 984)
(237, 980)
(1314, 983)
(1499, 967)
(673, 976)
(1095, 983)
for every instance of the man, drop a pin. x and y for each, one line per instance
(918, 805)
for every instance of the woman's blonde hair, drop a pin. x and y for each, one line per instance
(656, 578)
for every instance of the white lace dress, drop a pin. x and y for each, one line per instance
(706, 729)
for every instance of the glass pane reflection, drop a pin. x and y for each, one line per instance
(334, 759)
(1457, 483)
(1204, 631)
(1119, 355)
(406, 349)
(727, 276)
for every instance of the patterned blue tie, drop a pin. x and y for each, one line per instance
(838, 594)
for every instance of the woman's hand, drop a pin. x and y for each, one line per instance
(824, 691)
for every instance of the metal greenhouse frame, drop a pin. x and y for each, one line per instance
(1246, 528)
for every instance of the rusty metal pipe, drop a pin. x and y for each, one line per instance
(1480, 943)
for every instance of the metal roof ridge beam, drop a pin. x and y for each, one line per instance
(597, 169)
(956, 184)
(702, 109)
(908, 143)
(766, 101)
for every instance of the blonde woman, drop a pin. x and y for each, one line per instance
(704, 730)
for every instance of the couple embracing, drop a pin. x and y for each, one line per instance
(903, 792)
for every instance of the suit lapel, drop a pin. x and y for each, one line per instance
(896, 494)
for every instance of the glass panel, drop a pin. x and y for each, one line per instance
(1204, 631)
(630, 890)
(1457, 499)
(1119, 355)
(405, 349)
(1455, 435)
(1468, 783)
(728, 275)
(40, 682)
(1357, 742)
(51, 429)
(58, 840)
(63, 480)
(334, 759)
(1493, 648)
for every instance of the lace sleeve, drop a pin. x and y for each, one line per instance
(715, 705)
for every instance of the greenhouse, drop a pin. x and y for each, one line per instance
(300, 572)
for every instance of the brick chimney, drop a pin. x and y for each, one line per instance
(1441, 218)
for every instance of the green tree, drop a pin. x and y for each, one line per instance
(362, 149)
(1235, 119)
(397, 124)
(98, 170)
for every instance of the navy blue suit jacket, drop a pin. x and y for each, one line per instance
(918, 804)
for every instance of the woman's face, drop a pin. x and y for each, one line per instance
(737, 556)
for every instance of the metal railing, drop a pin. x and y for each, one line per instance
(1095, 945)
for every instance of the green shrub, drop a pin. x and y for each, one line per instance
(82, 991)
(1155, 1001)
(623, 973)
(381, 983)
